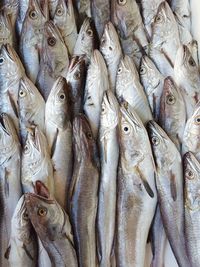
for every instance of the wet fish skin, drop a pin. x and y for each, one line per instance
(136, 192)
(129, 88)
(169, 184)
(6, 31)
(59, 137)
(109, 155)
(191, 197)
(76, 82)
(111, 51)
(84, 192)
(64, 19)
(172, 115)
(152, 81)
(52, 225)
(22, 250)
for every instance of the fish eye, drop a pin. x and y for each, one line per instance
(119, 70)
(142, 70)
(122, 2)
(103, 41)
(1, 60)
(90, 32)
(59, 11)
(189, 174)
(197, 120)
(110, 48)
(26, 149)
(155, 140)
(25, 215)
(62, 96)
(42, 212)
(89, 135)
(158, 19)
(22, 93)
(77, 75)
(51, 41)
(171, 99)
(192, 62)
(126, 128)
(103, 109)
(33, 14)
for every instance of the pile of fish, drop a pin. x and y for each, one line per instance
(99, 133)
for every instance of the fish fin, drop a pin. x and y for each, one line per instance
(167, 58)
(53, 147)
(27, 252)
(6, 183)
(146, 184)
(7, 253)
(15, 109)
(173, 188)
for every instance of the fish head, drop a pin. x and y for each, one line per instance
(193, 123)
(5, 28)
(170, 92)
(109, 44)
(191, 168)
(52, 7)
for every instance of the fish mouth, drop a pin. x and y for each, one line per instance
(76, 60)
(51, 30)
(128, 114)
(86, 24)
(153, 129)
(110, 100)
(169, 84)
(97, 58)
(33, 137)
(31, 199)
(4, 123)
(8, 51)
(189, 158)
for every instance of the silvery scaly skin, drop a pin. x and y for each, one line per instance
(187, 78)
(165, 39)
(83, 192)
(129, 88)
(111, 51)
(22, 250)
(11, 71)
(109, 155)
(59, 137)
(191, 201)
(31, 107)
(172, 114)
(152, 81)
(6, 31)
(31, 38)
(76, 83)
(52, 225)
(54, 59)
(136, 192)
(96, 84)
(191, 136)
(169, 184)
(64, 19)
(10, 184)
(36, 161)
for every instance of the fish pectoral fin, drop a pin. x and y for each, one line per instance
(53, 147)
(146, 184)
(7, 253)
(173, 188)
(27, 252)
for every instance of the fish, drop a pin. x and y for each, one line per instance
(191, 172)
(54, 59)
(191, 138)
(22, 9)
(129, 88)
(6, 31)
(172, 115)
(136, 192)
(36, 161)
(186, 75)
(85, 43)
(22, 249)
(31, 107)
(83, 193)
(30, 43)
(76, 84)
(52, 225)
(109, 156)
(169, 184)
(152, 81)
(64, 19)
(59, 137)
(111, 51)
(100, 10)
(96, 83)
(10, 184)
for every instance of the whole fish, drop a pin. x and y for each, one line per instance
(64, 19)
(172, 115)
(36, 161)
(136, 192)
(52, 225)
(187, 77)
(191, 201)
(169, 184)
(6, 31)
(31, 107)
(54, 59)
(22, 9)
(109, 155)
(76, 83)
(59, 137)
(84, 192)
(31, 38)
(22, 250)
(112, 53)
(96, 84)
(165, 39)
(152, 81)
(85, 42)
(101, 14)
(129, 88)
(191, 137)
(10, 184)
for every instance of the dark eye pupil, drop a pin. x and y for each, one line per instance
(1, 60)
(110, 48)
(191, 62)
(51, 41)
(32, 14)
(198, 119)
(62, 96)
(59, 11)
(190, 173)
(126, 129)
